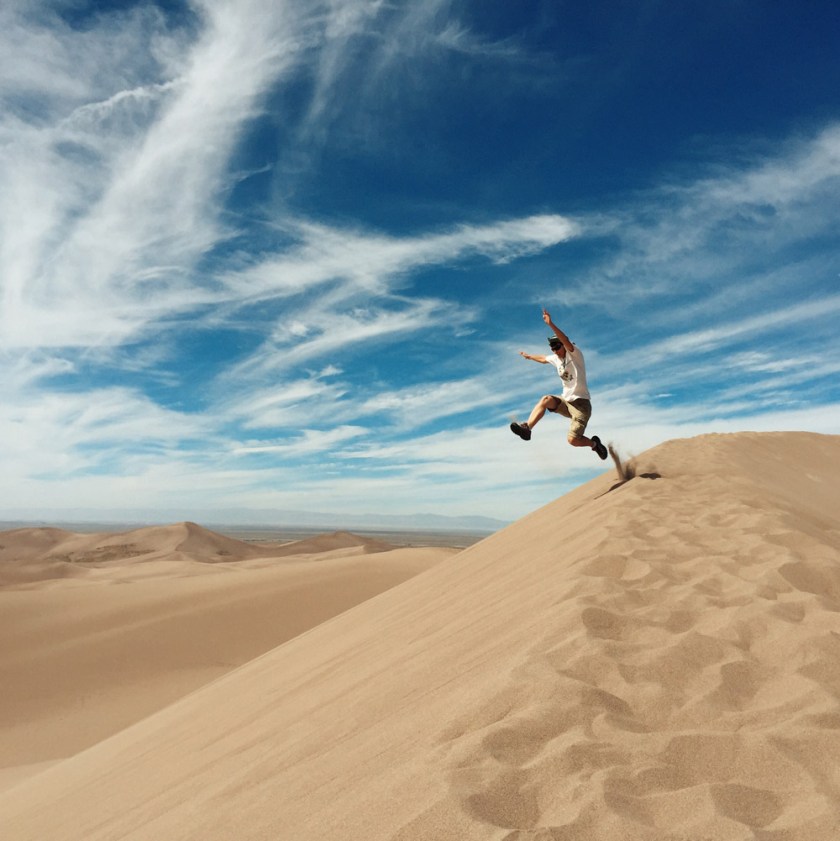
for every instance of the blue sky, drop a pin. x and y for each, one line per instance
(283, 255)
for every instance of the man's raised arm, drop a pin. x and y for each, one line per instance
(567, 342)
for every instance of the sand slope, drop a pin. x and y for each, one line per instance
(652, 659)
(101, 630)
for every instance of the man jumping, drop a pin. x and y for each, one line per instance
(574, 404)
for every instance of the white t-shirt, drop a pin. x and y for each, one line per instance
(572, 370)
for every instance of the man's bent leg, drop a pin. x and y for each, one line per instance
(581, 411)
(549, 402)
(594, 443)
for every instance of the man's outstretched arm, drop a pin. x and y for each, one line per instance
(533, 357)
(567, 342)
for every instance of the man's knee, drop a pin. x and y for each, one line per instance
(548, 401)
(576, 440)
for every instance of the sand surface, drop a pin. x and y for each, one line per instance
(655, 657)
(101, 630)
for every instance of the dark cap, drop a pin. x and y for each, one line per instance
(554, 343)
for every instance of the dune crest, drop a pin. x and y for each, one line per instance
(335, 541)
(31, 555)
(101, 630)
(649, 660)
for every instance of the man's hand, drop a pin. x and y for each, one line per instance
(567, 342)
(524, 355)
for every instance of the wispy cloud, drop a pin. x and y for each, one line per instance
(279, 406)
(109, 207)
(778, 322)
(740, 224)
(305, 442)
(372, 261)
(373, 52)
(98, 240)
(66, 434)
(361, 275)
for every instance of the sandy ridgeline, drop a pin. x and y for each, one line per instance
(83, 658)
(652, 659)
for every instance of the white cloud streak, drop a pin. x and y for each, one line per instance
(371, 261)
(364, 268)
(778, 321)
(734, 226)
(309, 441)
(100, 239)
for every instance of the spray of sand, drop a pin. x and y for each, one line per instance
(625, 470)
(628, 468)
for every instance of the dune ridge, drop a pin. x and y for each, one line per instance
(650, 659)
(36, 554)
(101, 630)
(336, 541)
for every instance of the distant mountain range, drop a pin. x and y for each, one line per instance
(281, 519)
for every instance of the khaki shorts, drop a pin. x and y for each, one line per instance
(579, 411)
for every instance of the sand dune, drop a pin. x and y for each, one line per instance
(82, 657)
(340, 541)
(33, 555)
(650, 658)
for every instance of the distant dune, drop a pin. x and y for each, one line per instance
(340, 540)
(653, 657)
(101, 630)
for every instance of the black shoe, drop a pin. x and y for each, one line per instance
(521, 430)
(599, 447)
